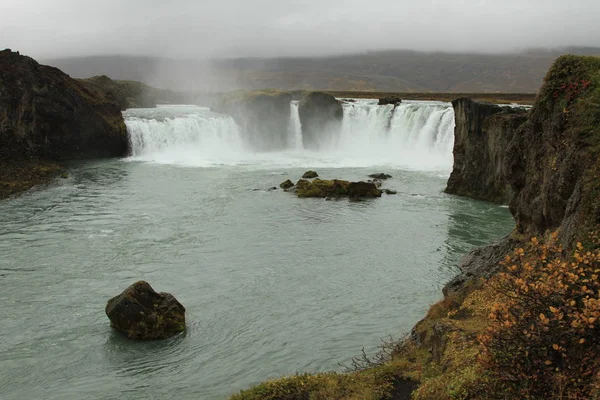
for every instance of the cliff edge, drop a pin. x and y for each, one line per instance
(46, 116)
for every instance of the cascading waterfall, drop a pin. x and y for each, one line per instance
(186, 135)
(415, 135)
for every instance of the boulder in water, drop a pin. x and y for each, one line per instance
(358, 190)
(310, 175)
(322, 188)
(320, 114)
(143, 314)
(381, 176)
(395, 100)
(287, 184)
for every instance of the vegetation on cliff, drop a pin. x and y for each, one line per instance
(530, 331)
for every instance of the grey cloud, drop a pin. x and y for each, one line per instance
(200, 29)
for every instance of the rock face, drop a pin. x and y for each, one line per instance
(128, 94)
(481, 137)
(551, 162)
(46, 114)
(143, 314)
(264, 117)
(395, 100)
(321, 115)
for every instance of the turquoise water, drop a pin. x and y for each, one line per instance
(273, 284)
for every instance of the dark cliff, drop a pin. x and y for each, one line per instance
(45, 113)
(320, 113)
(553, 161)
(263, 116)
(481, 137)
(45, 117)
(544, 164)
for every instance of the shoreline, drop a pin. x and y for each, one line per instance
(19, 176)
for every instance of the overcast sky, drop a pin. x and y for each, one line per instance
(217, 28)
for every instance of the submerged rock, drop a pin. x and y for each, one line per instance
(143, 314)
(357, 190)
(287, 184)
(381, 176)
(395, 100)
(320, 114)
(390, 191)
(310, 175)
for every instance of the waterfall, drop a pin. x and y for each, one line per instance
(295, 129)
(178, 134)
(415, 135)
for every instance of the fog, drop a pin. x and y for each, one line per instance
(268, 28)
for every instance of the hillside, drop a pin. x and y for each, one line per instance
(384, 71)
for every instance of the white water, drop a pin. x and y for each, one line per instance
(414, 135)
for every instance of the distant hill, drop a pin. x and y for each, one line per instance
(383, 71)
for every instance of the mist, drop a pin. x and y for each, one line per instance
(272, 28)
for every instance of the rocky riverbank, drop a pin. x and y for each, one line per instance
(530, 331)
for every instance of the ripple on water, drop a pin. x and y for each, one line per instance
(272, 284)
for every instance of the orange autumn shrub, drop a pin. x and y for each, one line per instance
(543, 341)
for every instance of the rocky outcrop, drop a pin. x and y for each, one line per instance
(395, 100)
(44, 113)
(380, 176)
(554, 159)
(322, 188)
(287, 184)
(310, 175)
(128, 94)
(481, 137)
(143, 314)
(321, 115)
(263, 116)
(330, 189)
(545, 164)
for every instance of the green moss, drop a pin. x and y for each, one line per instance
(374, 384)
(322, 188)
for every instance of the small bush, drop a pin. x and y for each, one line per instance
(544, 335)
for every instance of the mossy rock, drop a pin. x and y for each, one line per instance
(143, 314)
(287, 184)
(310, 175)
(322, 188)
